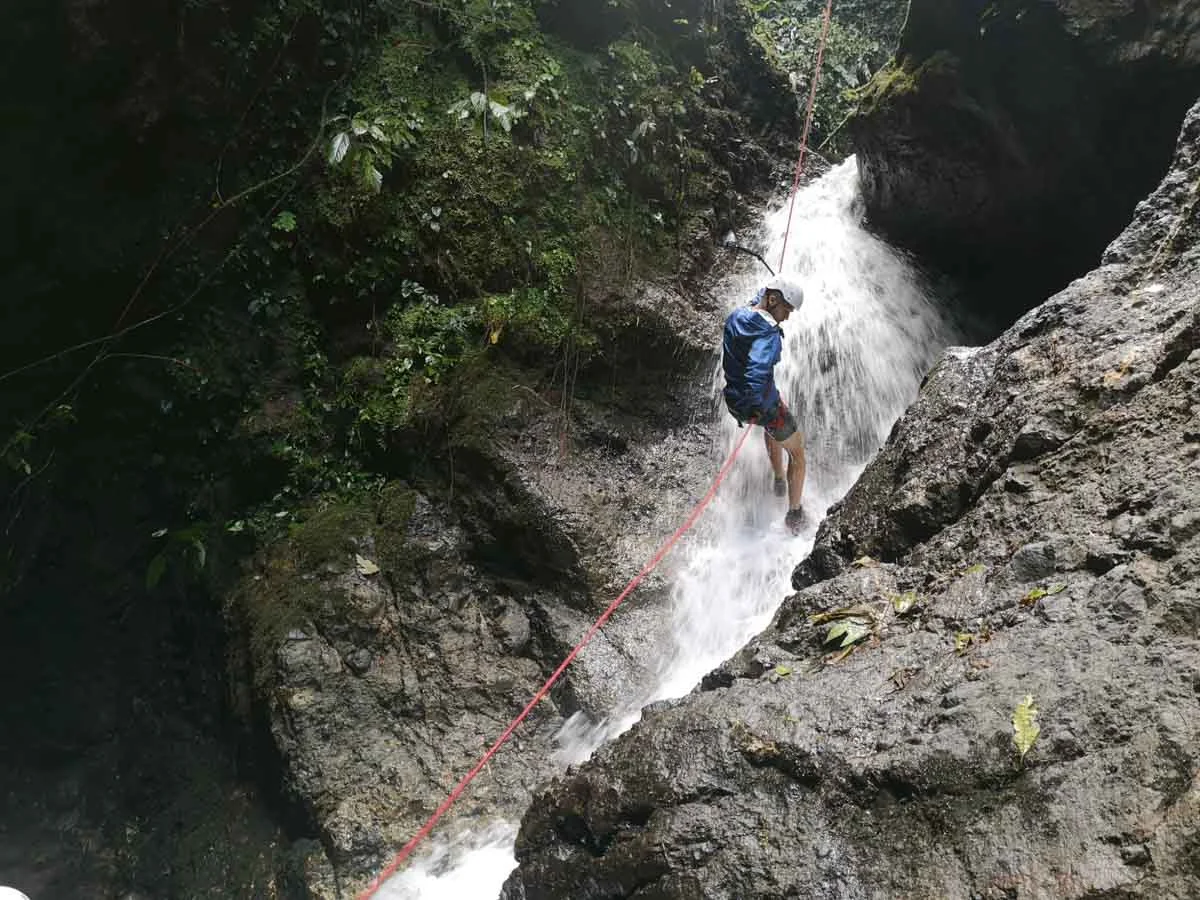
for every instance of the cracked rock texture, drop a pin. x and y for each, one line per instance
(1031, 529)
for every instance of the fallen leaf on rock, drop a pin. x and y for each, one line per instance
(850, 630)
(1025, 727)
(1033, 596)
(782, 671)
(962, 641)
(904, 602)
(1039, 592)
(365, 566)
(861, 611)
(865, 562)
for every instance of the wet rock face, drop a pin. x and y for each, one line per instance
(383, 661)
(387, 643)
(1030, 530)
(1023, 131)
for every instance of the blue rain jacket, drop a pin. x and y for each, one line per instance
(752, 346)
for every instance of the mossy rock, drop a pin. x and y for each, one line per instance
(298, 581)
(394, 510)
(330, 536)
(902, 79)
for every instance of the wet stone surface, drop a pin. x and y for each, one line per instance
(1029, 530)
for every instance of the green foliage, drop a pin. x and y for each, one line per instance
(899, 79)
(1033, 596)
(531, 321)
(430, 338)
(427, 189)
(479, 106)
(790, 32)
(183, 547)
(848, 631)
(365, 145)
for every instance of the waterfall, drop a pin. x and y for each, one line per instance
(853, 358)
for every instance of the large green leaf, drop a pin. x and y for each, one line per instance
(155, 571)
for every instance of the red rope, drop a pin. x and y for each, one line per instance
(812, 97)
(400, 857)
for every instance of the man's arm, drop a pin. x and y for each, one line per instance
(760, 367)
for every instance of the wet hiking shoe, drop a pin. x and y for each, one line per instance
(794, 520)
(780, 487)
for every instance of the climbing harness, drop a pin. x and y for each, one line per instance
(394, 866)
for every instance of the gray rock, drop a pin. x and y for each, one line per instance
(1005, 145)
(359, 661)
(893, 772)
(382, 689)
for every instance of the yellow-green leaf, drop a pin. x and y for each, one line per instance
(365, 566)
(1039, 592)
(962, 641)
(782, 671)
(866, 562)
(1025, 726)
(1033, 596)
(904, 602)
(975, 569)
(850, 630)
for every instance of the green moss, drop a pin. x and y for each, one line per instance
(397, 503)
(483, 395)
(297, 580)
(330, 536)
(900, 79)
(483, 246)
(789, 35)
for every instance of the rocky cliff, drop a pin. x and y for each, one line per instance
(1023, 130)
(258, 425)
(386, 644)
(987, 684)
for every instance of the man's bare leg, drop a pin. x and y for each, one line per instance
(794, 445)
(775, 452)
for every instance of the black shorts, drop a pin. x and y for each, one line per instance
(778, 422)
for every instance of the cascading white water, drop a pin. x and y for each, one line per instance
(853, 358)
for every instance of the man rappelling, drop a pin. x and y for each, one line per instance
(751, 348)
